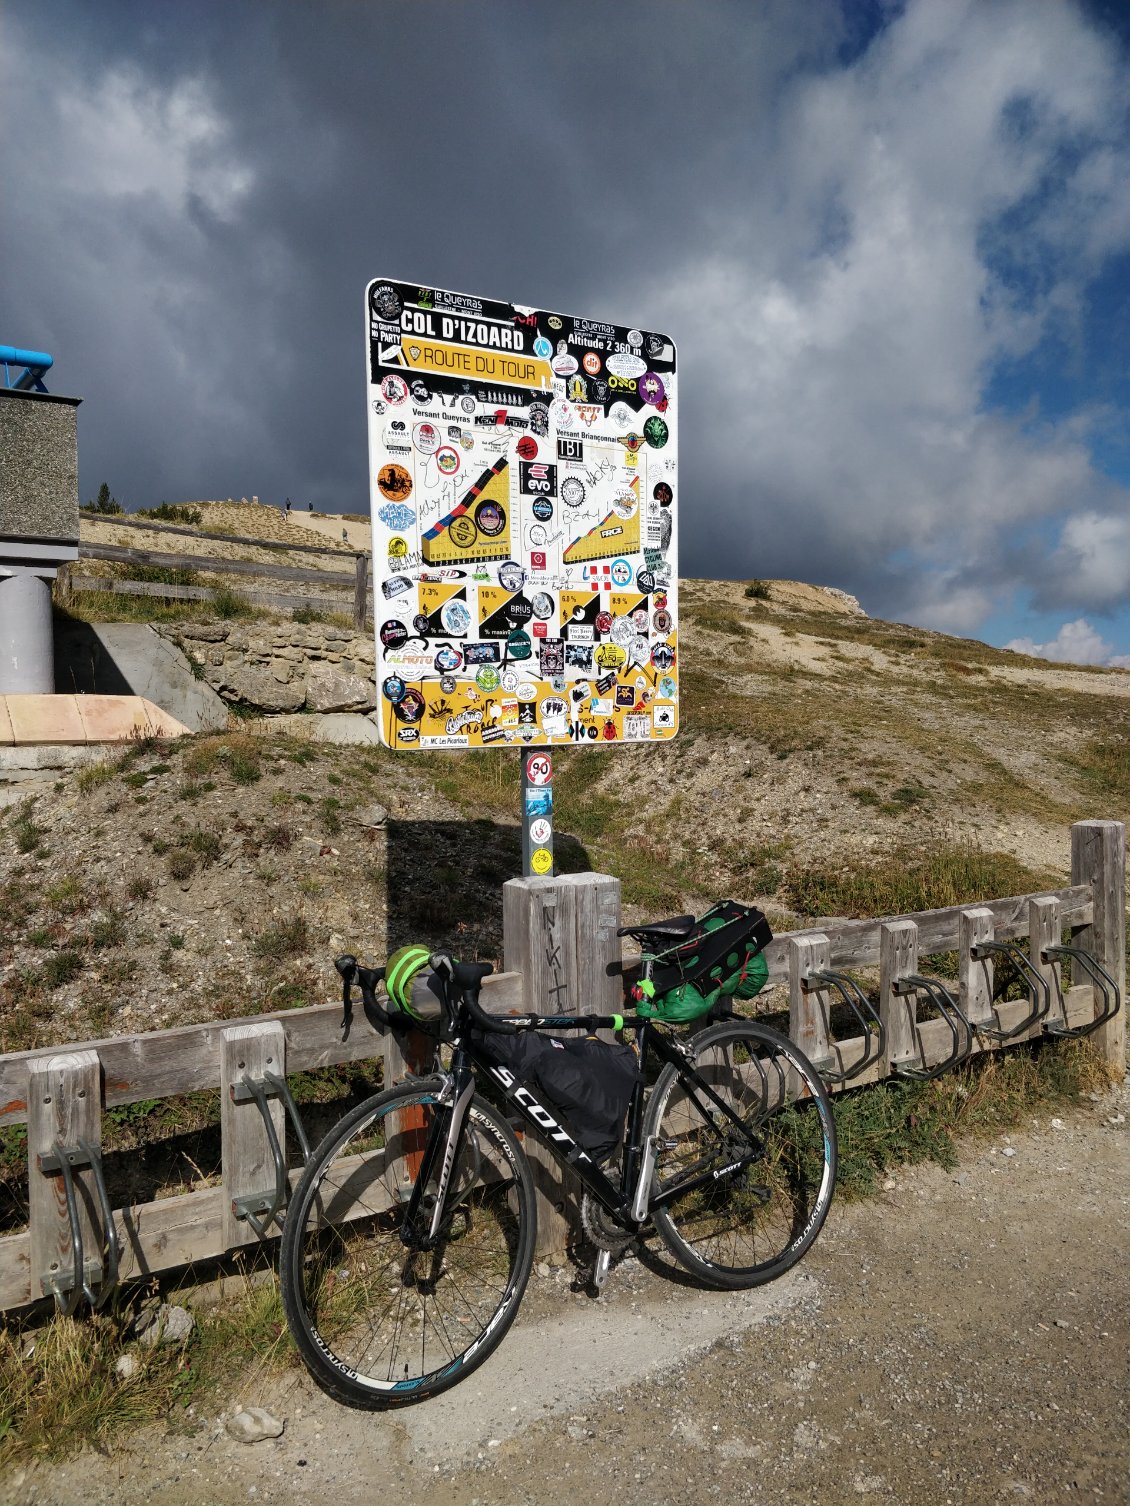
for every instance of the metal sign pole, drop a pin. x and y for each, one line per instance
(537, 812)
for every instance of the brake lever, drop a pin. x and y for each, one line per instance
(347, 968)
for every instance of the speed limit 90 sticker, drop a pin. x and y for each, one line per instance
(525, 501)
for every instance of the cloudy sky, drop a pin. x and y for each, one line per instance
(891, 241)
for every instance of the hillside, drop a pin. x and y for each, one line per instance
(827, 763)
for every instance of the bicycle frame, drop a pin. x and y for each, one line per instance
(629, 1203)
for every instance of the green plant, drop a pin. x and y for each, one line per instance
(68, 896)
(329, 808)
(140, 886)
(172, 513)
(181, 864)
(94, 774)
(228, 603)
(756, 590)
(175, 941)
(104, 503)
(163, 575)
(61, 968)
(289, 937)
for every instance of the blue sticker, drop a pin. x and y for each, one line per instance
(395, 515)
(539, 802)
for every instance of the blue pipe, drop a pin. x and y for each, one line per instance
(36, 364)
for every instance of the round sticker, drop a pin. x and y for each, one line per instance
(394, 389)
(385, 302)
(509, 681)
(591, 362)
(645, 581)
(538, 414)
(663, 494)
(667, 688)
(393, 633)
(622, 631)
(447, 659)
(543, 348)
(656, 432)
(662, 656)
(420, 622)
(610, 656)
(539, 768)
(561, 413)
(639, 619)
(486, 677)
(467, 404)
(661, 622)
(554, 321)
(466, 439)
(542, 509)
(397, 549)
(410, 708)
(565, 364)
(541, 605)
(511, 576)
(540, 831)
(490, 518)
(651, 388)
(455, 617)
(620, 572)
(603, 622)
(394, 689)
(447, 684)
(541, 861)
(395, 482)
(621, 415)
(462, 531)
(527, 447)
(527, 690)
(626, 366)
(572, 491)
(426, 438)
(448, 459)
(420, 393)
(519, 646)
(624, 503)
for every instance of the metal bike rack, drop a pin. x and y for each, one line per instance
(1112, 999)
(261, 1209)
(864, 1012)
(948, 1008)
(86, 1274)
(1041, 990)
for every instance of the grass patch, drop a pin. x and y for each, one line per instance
(910, 880)
(287, 938)
(227, 603)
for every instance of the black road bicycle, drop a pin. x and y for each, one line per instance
(409, 1239)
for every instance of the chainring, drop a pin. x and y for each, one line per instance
(599, 1228)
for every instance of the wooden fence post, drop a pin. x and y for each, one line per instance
(63, 1107)
(1043, 931)
(975, 978)
(360, 593)
(247, 1051)
(898, 955)
(560, 935)
(808, 1007)
(1098, 858)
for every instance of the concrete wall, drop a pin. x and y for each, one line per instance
(38, 467)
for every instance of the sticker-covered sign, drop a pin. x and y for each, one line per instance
(525, 501)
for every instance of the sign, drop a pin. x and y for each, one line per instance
(539, 768)
(524, 492)
(541, 861)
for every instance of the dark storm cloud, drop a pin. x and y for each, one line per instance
(800, 200)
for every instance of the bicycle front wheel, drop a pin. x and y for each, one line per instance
(738, 1203)
(381, 1324)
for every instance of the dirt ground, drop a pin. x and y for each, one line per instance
(961, 1339)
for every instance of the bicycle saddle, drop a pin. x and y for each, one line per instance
(678, 925)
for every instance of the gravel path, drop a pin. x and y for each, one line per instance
(961, 1339)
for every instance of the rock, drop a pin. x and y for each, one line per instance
(371, 815)
(252, 1425)
(258, 687)
(163, 1325)
(343, 727)
(330, 690)
(127, 1366)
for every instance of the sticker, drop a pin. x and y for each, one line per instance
(394, 689)
(666, 689)
(621, 365)
(540, 830)
(490, 518)
(527, 690)
(551, 657)
(554, 321)
(662, 656)
(542, 509)
(447, 684)
(519, 646)
(538, 415)
(663, 494)
(625, 696)
(621, 415)
(663, 718)
(527, 447)
(645, 582)
(447, 659)
(448, 460)
(543, 348)
(638, 653)
(541, 604)
(426, 438)
(621, 572)
(561, 413)
(609, 656)
(591, 362)
(656, 432)
(394, 482)
(604, 622)
(395, 585)
(622, 631)
(539, 768)
(554, 714)
(394, 389)
(420, 393)
(385, 303)
(455, 617)
(541, 860)
(539, 802)
(410, 707)
(572, 491)
(487, 677)
(396, 515)
(661, 622)
(638, 619)
(511, 576)
(564, 364)
(651, 388)
(480, 653)
(536, 478)
(393, 633)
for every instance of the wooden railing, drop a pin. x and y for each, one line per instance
(561, 954)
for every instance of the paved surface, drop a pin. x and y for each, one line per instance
(129, 658)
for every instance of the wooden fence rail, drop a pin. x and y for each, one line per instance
(561, 954)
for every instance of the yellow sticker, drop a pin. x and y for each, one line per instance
(541, 860)
(486, 365)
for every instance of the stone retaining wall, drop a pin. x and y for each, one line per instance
(281, 666)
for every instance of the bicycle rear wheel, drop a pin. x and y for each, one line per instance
(379, 1324)
(739, 1204)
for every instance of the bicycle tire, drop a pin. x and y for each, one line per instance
(743, 1228)
(381, 1325)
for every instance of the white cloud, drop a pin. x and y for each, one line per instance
(1076, 643)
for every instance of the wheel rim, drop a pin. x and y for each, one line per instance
(765, 1197)
(387, 1317)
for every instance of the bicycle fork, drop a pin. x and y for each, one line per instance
(443, 1148)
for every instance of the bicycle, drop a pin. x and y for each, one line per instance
(410, 1236)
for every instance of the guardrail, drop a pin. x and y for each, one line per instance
(561, 954)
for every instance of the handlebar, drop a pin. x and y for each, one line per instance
(368, 977)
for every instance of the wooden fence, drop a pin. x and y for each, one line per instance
(353, 576)
(561, 955)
